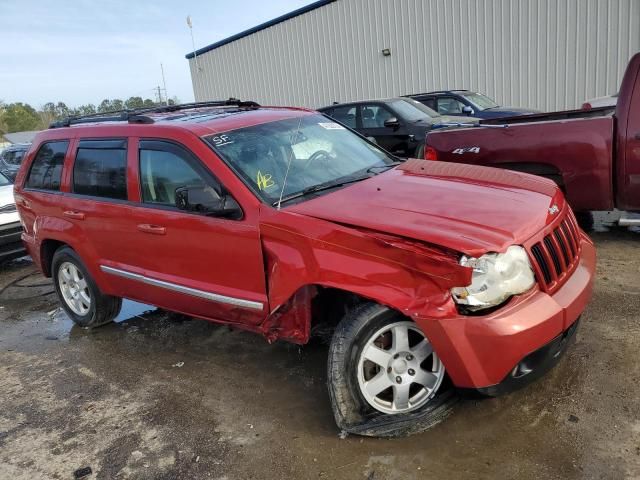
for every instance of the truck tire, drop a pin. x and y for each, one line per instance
(79, 295)
(403, 391)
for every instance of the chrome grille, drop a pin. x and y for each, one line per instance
(555, 255)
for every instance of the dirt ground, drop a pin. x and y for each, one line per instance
(158, 396)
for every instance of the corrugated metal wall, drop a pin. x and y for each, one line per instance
(545, 54)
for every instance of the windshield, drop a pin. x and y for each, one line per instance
(481, 101)
(412, 110)
(4, 181)
(308, 151)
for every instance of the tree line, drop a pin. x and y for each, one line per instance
(19, 117)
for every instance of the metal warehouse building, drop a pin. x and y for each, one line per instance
(545, 54)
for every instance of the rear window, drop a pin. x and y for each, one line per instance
(100, 169)
(46, 169)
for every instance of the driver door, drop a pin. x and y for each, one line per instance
(186, 260)
(394, 140)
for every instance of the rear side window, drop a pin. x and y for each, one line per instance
(430, 102)
(100, 169)
(46, 169)
(346, 115)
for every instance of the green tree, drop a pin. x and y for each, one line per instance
(108, 105)
(134, 102)
(20, 116)
(3, 124)
(88, 109)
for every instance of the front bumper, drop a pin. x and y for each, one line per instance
(11, 245)
(481, 352)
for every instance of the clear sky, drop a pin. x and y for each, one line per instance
(82, 51)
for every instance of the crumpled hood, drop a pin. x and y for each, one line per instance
(467, 208)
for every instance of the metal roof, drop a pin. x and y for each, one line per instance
(262, 26)
(20, 137)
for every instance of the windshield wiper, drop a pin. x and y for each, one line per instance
(383, 167)
(321, 187)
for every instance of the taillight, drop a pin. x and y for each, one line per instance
(586, 106)
(430, 154)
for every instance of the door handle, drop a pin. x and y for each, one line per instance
(74, 215)
(637, 136)
(153, 229)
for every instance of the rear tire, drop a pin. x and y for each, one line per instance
(79, 294)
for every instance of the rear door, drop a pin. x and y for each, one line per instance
(186, 261)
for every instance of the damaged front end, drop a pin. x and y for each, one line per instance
(314, 264)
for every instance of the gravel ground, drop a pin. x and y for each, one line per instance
(160, 396)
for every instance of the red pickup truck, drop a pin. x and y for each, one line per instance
(594, 156)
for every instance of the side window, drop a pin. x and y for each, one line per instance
(449, 106)
(346, 115)
(171, 176)
(430, 102)
(374, 116)
(100, 169)
(46, 168)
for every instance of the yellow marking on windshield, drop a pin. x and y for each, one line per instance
(264, 180)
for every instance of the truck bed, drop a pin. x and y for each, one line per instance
(551, 116)
(572, 148)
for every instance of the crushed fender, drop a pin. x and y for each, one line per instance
(292, 320)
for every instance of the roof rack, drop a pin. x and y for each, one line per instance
(139, 115)
(436, 91)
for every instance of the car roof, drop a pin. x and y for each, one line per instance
(438, 92)
(359, 102)
(18, 146)
(201, 119)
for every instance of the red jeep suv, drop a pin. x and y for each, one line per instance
(435, 276)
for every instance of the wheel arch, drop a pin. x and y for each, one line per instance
(48, 248)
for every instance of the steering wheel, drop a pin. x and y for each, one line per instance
(320, 155)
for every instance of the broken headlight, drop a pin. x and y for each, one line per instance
(495, 278)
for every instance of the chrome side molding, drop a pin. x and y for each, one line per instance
(214, 297)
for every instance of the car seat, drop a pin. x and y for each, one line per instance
(368, 118)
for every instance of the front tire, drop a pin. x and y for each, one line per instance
(384, 378)
(79, 294)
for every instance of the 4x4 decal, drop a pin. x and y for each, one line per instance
(460, 151)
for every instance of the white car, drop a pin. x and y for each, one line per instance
(10, 227)
(608, 101)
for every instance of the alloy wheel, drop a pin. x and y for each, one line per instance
(398, 371)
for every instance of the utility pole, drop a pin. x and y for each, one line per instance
(193, 42)
(159, 93)
(164, 84)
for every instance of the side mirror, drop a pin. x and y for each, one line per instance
(207, 201)
(392, 122)
(467, 110)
